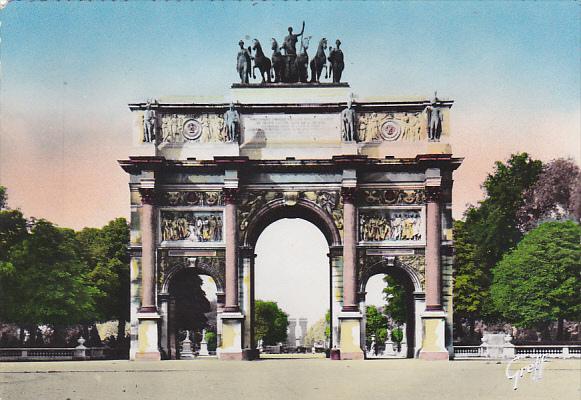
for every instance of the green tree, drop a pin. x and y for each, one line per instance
(490, 229)
(191, 301)
(44, 280)
(271, 323)
(538, 282)
(376, 324)
(3, 197)
(319, 331)
(395, 297)
(105, 251)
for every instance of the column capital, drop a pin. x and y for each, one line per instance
(148, 196)
(433, 194)
(348, 193)
(231, 195)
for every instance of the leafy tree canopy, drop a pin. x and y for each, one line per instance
(553, 196)
(395, 297)
(490, 229)
(271, 323)
(44, 280)
(538, 282)
(376, 324)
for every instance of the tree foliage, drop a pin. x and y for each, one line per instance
(105, 253)
(395, 298)
(376, 324)
(271, 322)
(538, 282)
(553, 196)
(489, 230)
(45, 280)
(191, 302)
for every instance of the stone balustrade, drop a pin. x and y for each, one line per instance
(509, 351)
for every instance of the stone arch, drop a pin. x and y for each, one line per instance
(385, 265)
(200, 265)
(301, 208)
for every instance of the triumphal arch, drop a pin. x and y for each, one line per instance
(209, 175)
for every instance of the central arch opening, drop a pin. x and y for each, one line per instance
(292, 270)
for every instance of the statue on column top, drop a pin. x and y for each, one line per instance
(348, 122)
(434, 119)
(149, 123)
(232, 123)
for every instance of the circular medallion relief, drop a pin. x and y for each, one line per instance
(192, 129)
(390, 130)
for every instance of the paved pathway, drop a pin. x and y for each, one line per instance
(283, 379)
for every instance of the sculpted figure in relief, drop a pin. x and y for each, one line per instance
(397, 226)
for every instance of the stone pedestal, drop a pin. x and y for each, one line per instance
(433, 340)
(147, 340)
(204, 345)
(389, 350)
(232, 333)
(187, 353)
(349, 336)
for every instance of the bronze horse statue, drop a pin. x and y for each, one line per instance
(319, 62)
(302, 60)
(277, 62)
(261, 62)
(243, 63)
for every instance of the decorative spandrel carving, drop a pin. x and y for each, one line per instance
(376, 197)
(203, 128)
(379, 127)
(390, 225)
(192, 198)
(416, 263)
(331, 202)
(251, 202)
(413, 265)
(192, 226)
(211, 266)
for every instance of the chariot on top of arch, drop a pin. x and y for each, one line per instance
(286, 65)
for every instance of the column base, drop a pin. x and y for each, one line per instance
(150, 356)
(350, 336)
(231, 338)
(147, 339)
(434, 337)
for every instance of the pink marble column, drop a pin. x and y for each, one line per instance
(349, 251)
(231, 224)
(147, 251)
(433, 229)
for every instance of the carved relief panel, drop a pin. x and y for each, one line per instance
(391, 225)
(396, 126)
(191, 226)
(183, 128)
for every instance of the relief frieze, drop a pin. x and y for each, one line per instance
(402, 126)
(192, 198)
(192, 226)
(377, 197)
(183, 128)
(390, 225)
